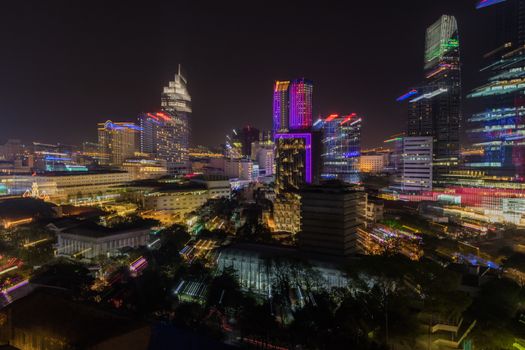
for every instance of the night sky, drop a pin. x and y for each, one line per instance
(66, 65)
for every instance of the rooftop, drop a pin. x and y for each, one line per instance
(93, 230)
(54, 314)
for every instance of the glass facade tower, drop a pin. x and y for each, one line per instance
(176, 103)
(434, 107)
(166, 135)
(341, 138)
(497, 130)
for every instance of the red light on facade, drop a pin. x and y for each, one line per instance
(331, 117)
(348, 118)
(163, 116)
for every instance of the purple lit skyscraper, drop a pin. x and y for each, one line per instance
(280, 106)
(300, 104)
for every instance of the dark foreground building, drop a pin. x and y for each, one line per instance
(330, 215)
(50, 321)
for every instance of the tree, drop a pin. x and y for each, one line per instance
(224, 291)
(495, 309)
(65, 274)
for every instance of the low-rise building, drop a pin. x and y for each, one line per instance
(61, 186)
(90, 241)
(180, 201)
(378, 239)
(257, 267)
(218, 186)
(144, 168)
(372, 163)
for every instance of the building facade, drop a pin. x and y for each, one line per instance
(280, 106)
(434, 107)
(414, 168)
(92, 243)
(341, 147)
(117, 140)
(300, 104)
(373, 163)
(176, 103)
(61, 187)
(497, 129)
(330, 215)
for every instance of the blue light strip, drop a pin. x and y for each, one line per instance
(407, 95)
(487, 3)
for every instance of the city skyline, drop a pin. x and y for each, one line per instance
(119, 86)
(282, 176)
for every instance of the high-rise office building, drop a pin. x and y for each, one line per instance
(330, 216)
(280, 106)
(297, 159)
(300, 104)
(297, 147)
(117, 140)
(341, 147)
(164, 136)
(413, 155)
(434, 107)
(176, 104)
(292, 105)
(239, 143)
(497, 130)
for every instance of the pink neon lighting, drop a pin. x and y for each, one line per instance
(15, 287)
(300, 104)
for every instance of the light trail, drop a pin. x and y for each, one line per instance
(15, 287)
(81, 252)
(8, 269)
(32, 244)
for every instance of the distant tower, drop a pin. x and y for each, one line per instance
(341, 147)
(280, 106)
(117, 140)
(300, 104)
(167, 134)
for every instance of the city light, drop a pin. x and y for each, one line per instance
(486, 3)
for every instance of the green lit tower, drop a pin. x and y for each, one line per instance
(434, 107)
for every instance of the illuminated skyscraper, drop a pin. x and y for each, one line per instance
(497, 130)
(300, 105)
(280, 106)
(176, 103)
(297, 149)
(292, 105)
(161, 137)
(434, 106)
(117, 140)
(297, 160)
(413, 156)
(341, 147)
